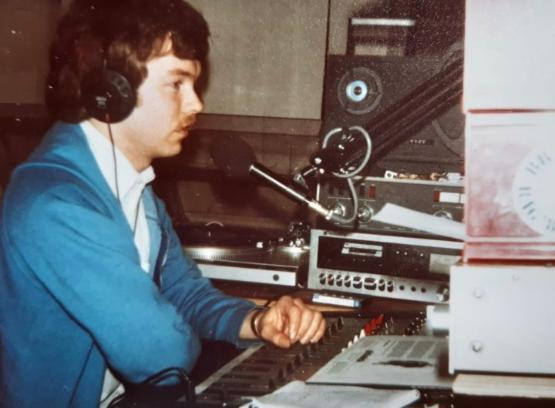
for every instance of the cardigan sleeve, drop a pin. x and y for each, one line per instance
(68, 240)
(212, 314)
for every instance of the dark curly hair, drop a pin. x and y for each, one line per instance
(123, 35)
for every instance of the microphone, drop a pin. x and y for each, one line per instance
(237, 160)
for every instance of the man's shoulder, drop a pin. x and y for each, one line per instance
(40, 186)
(40, 195)
(62, 163)
(62, 143)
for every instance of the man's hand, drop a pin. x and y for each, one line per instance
(286, 322)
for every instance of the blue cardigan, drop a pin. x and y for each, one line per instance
(73, 297)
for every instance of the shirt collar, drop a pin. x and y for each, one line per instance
(129, 179)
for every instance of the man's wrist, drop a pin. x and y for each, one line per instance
(256, 317)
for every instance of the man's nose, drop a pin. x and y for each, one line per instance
(192, 103)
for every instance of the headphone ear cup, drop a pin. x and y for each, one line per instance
(107, 95)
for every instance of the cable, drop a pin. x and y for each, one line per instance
(348, 175)
(368, 151)
(354, 196)
(113, 156)
(149, 393)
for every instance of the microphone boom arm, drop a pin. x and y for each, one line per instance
(263, 173)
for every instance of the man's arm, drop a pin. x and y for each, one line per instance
(216, 316)
(67, 240)
(212, 314)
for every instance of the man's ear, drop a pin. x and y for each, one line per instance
(107, 95)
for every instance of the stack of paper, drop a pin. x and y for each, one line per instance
(297, 394)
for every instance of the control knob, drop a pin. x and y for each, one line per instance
(365, 213)
(339, 209)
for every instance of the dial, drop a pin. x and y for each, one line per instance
(533, 192)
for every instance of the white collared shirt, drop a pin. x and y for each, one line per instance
(131, 184)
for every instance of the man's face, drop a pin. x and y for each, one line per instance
(166, 109)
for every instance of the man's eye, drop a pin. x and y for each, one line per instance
(176, 85)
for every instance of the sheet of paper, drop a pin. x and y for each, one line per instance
(297, 394)
(405, 217)
(411, 361)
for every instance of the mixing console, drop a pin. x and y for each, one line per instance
(262, 369)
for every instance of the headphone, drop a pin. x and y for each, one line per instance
(107, 95)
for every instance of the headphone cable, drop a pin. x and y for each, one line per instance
(116, 181)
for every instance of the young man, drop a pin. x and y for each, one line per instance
(94, 286)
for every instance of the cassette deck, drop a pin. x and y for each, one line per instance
(391, 266)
